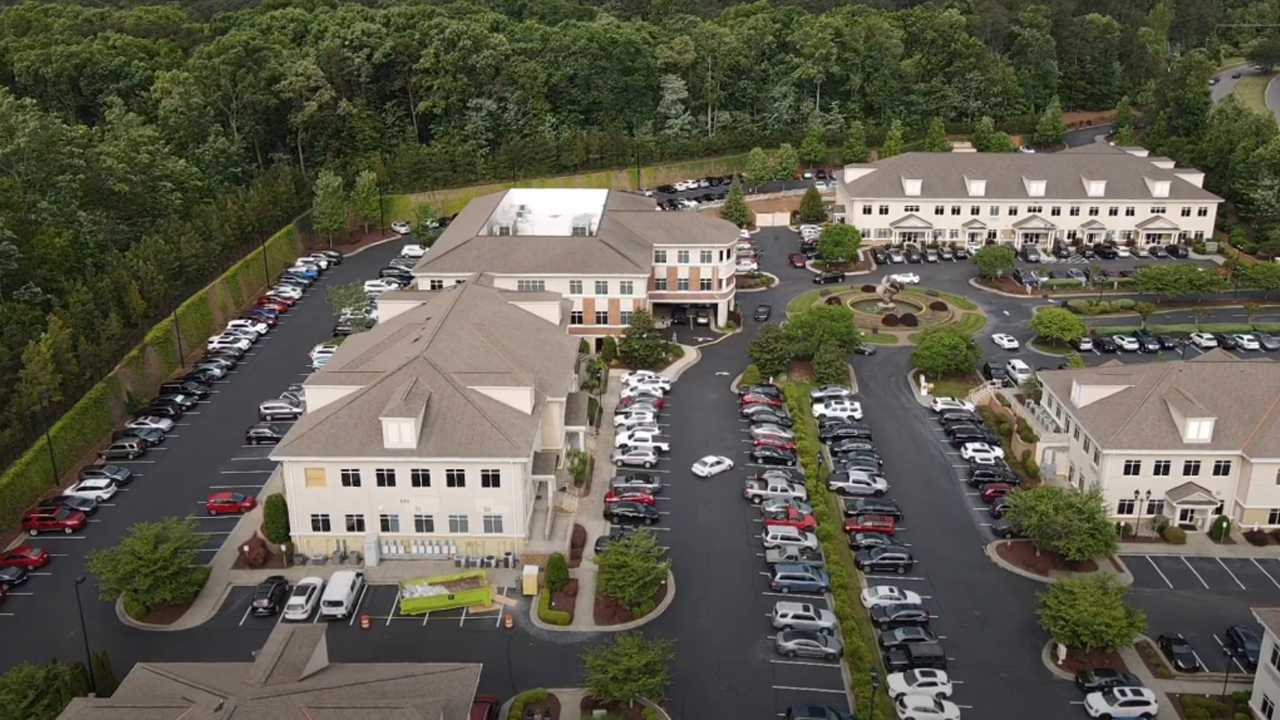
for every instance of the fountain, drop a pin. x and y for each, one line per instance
(887, 290)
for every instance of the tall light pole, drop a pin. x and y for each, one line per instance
(875, 686)
(177, 331)
(1137, 500)
(48, 440)
(84, 634)
(1226, 654)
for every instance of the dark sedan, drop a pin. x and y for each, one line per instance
(872, 506)
(887, 617)
(186, 403)
(11, 576)
(865, 541)
(829, 277)
(265, 434)
(768, 455)
(631, 512)
(1106, 345)
(185, 387)
(159, 409)
(1226, 342)
(763, 312)
(118, 474)
(603, 541)
(880, 256)
(1002, 529)
(88, 506)
(1103, 678)
(1244, 644)
(769, 418)
(1179, 652)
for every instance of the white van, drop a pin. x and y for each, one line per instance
(788, 537)
(342, 594)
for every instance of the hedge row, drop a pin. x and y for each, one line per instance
(546, 614)
(94, 417)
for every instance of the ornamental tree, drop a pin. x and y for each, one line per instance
(785, 162)
(642, 346)
(628, 666)
(811, 209)
(813, 150)
(157, 563)
(829, 365)
(892, 141)
(1057, 325)
(821, 325)
(935, 139)
(366, 201)
(631, 568)
(855, 144)
(329, 208)
(839, 243)
(1089, 613)
(995, 261)
(1050, 130)
(758, 171)
(1075, 524)
(735, 208)
(770, 350)
(946, 352)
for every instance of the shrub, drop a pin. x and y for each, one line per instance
(1221, 527)
(1214, 707)
(824, 292)
(1080, 306)
(1196, 713)
(1124, 304)
(1004, 400)
(1174, 535)
(1102, 307)
(890, 320)
(1159, 522)
(1005, 431)
(1243, 716)
(275, 518)
(868, 288)
(546, 614)
(579, 538)
(833, 300)
(909, 320)
(584, 347)
(609, 353)
(557, 572)
(1033, 468)
(134, 608)
(1124, 530)
(750, 376)
(644, 608)
(1257, 539)
(938, 306)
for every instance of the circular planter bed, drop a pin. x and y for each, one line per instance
(616, 710)
(533, 704)
(609, 612)
(1023, 556)
(165, 614)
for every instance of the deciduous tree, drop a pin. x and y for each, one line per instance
(329, 211)
(839, 243)
(425, 221)
(631, 568)
(987, 139)
(735, 208)
(628, 666)
(829, 365)
(349, 303)
(995, 261)
(1264, 277)
(1089, 613)
(811, 209)
(945, 352)
(156, 563)
(892, 141)
(366, 202)
(40, 692)
(1264, 52)
(770, 350)
(855, 144)
(1075, 524)
(935, 140)
(821, 325)
(813, 150)
(758, 170)
(642, 346)
(1050, 131)
(1057, 325)
(785, 162)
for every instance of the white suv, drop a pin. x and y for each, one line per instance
(840, 409)
(1122, 702)
(1018, 370)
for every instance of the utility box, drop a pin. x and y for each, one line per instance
(529, 580)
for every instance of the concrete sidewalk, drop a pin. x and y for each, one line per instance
(1198, 543)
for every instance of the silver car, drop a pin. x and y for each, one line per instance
(802, 616)
(272, 410)
(642, 457)
(633, 481)
(808, 643)
(768, 430)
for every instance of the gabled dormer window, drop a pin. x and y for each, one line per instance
(1034, 188)
(976, 188)
(1158, 188)
(1095, 188)
(912, 187)
(1198, 430)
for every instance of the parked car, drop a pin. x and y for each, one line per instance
(88, 506)
(1244, 644)
(128, 448)
(882, 524)
(303, 599)
(815, 712)
(643, 457)
(270, 596)
(924, 681)
(1122, 702)
(115, 473)
(809, 644)
(766, 455)
(638, 495)
(871, 506)
(798, 578)
(25, 557)
(264, 433)
(95, 489)
(228, 503)
(898, 615)
(1179, 652)
(908, 636)
(829, 277)
(1203, 340)
(631, 512)
(272, 410)
(895, 558)
(887, 595)
(924, 707)
(150, 422)
(62, 519)
(645, 481)
(789, 615)
(1103, 678)
(763, 313)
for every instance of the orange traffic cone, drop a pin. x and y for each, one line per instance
(364, 622)
(508, 622)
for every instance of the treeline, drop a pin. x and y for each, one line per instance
(145, 147)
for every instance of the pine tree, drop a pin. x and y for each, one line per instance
(855, 144)
(811, 209)
(892, 141)
(735, 208)
(329, 210)
(758, 170)
(935, 140)
(365, 199)
(1050, 131)
(813, 151)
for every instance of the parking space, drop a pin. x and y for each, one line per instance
(1189, 572)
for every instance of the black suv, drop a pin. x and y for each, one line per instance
(872, 506)
(980, 476)
(1107, 252)
(271, 595)
(890, 557)
(995, 371)
(1177, 251)
(899, 615)
(185, 387)
(826, 278)
(1147, 341)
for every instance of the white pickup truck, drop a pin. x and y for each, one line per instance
(757, 491)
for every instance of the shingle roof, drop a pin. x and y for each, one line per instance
(229, 691)
(468, 336)
(623, 244)
(575, 409)
(1242, 396)
(944, 176)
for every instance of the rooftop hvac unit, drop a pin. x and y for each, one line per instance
(581, 230)
(522, 212)
(501, 229)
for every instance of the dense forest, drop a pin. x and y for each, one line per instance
(143, 148)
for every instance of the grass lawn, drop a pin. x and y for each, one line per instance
(1051, 348)
(1252, 91)
(955, 387)
(969, 324)
(879, 339)
(1230, 62)
(958, 301)
(800, 303)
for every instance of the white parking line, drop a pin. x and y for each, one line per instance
(246, 613)
(835, 665)
(808, 689)
(1264, 572)
(355, 610)
(1157, 569)
(395, 605)
(425, 618)
(463, 619)
(41, 574)
(1193, 571)
(894, 577)
(62, 537)
(1233, 657)
(197, 412)
(1233, 575)
(794, 595)
(231, 487)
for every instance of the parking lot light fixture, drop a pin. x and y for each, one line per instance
(48, 440)
(84, 634)
(875, 686)
(1226, 655)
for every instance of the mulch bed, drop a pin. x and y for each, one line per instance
(577, 541)
(800, 371)
(566, 598)
(1259, 538)
(1152, 659)
(1080, 660)
(608, 612)
(165, 614)
(614, 710)
(1023, 555)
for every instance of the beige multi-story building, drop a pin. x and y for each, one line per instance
(1187, 440)
(609, 253)
(1089, 194)
(1266, 681)
(439, 431)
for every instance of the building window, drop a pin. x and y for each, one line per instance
(1072, 234)
(1113, 211)
(385, 477)
(1221, 468)
(884, 209)
(436, 285)
(975, 210)
(1013, 211)
(1202, 212)
(1055, 211)
(1190, 468)
(314, 477)
(1275, 656)
(705, 256)
(389, 523)
(911, 208)
(458, 524)
(492, 524)
(704, 284)
(1132, 467)
(1097, 455)
(660, 257)
(355, 523)
(953, 233)
(866, 209)
(602, 317)
(1126, 234)
(1093, 211)
(659, 284)
(995, 211)
(1077, 433)
(575, 317)
(602, 287)
(424, 524)
(682, 257)
(991, 234)
(1161, 467)
(1074, 211)
(627, 287)
(320, 523)
(682, 284)
(1157, 209)
(1186, 212)
(1128, 212)
(1034, 209)
(1125, 507)
(420, 477)
(1268, 707)
(624, 317)
(575, 287)
(1199, 235)
(1273, 516)
(955, 209)
(1087, 443)
(1155, 507)
(490, 479)
(939, 209)
(531, 285)
(350, 478)
(455, 478)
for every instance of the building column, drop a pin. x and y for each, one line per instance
(722, 313)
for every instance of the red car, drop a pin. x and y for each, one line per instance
(639, 495)
(41, 520)
(25, 557)
(277, 300)
(271, 304)
(754, 399)
(882, 524)
(788, 516)
(225, 503)
(265, 318)
(775, 441)
(797, 259)
(627, 402)
(995, 491)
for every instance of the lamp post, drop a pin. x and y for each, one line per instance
(84, 633)
(177, 331)
(48, 441)
(1226, 655)
(875, 686)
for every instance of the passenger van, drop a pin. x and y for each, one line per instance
(342, 594)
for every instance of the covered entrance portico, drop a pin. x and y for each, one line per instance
(975, 232)
(1157, 230)
(911, 229)
(1032, 230)
(1093, 231)
(1191, 504)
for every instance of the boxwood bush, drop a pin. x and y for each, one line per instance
(546, 614)
(1174, 535)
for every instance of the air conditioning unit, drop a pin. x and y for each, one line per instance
(581, 230)
(500, 229)
(522, 212)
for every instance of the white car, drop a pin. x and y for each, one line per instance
(682, 185)
(254, 326)
(379, 286)
(857, 482)
(1126, 343)
(226, 342)
(96, 489)
(631, 376)
(1247, 341)
(148, 422)
(711, 465)
(633, 390)
(922, 681)
(942, 404)
(1122, 702)
(401, 227)
(747, 266)
(239, 332)
(1142, 252)
(662, 386)
(925, 707)
(413, 251)
(323, 349)
(1203, 340)
(324, 261)
(888, 595)
(303, 599)
(842, 409)
(1122, 251)
(644, 457)
(628, 438)
(970, 450)
(905, 278)
(745, 234)
(1008, 342)
(632, 420)
(288, 292)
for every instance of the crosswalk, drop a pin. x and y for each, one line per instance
(1073, 260)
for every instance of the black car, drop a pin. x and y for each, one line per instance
(767, 390)
(185, 387)
(913, 256)
(999, 508)
(1158, 251)
(1002, 529)
(815, 712)
(343, 328)
(270, 596)
(965, 435)
(1178, 251)
(880, 256)
(150, 436)
(1226, 342)
(1106, 345)
(769, 455)
(395, 272)
(679, 317)
(864, 349)
(1244, 644)
(265, 433)
(995, 372)
(899, 615)
(842, 430)
(866, 541)
(829, 277)
(1147, 341)
(631, 512)
(115, 473)
(864, 455)
(1168, 342)
(989, 474)
(603, 541)
(1179, 652)
(1087, 252)
(894, 558)
(849, 445)
(871, 506)
(1103, 678)
(770, 418)
(88, 506)
(1107, 252)
(185, 402)
(1062, 252)
(11, 576)
(763, 312)
(164, 410)
(962, 253)
(958, 415)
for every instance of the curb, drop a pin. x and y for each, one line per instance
(990, 550)
(178, 625)
(697, 355)
(374, 244)
(776, 282)
(1033, 296)
(558, 692)
(657, 612)
(1046, 657)
(922, 400)
(1032, 348)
